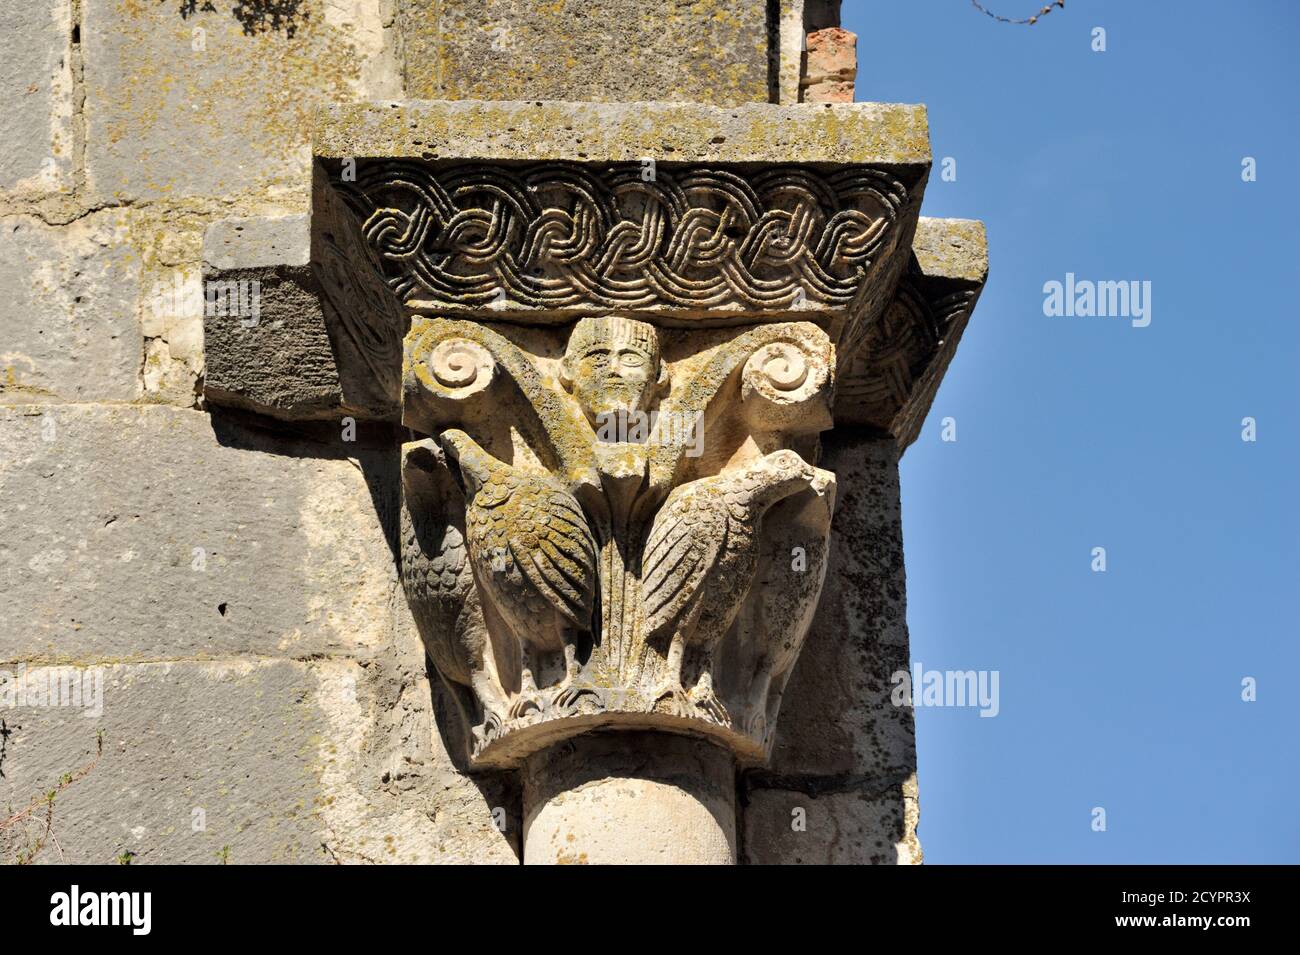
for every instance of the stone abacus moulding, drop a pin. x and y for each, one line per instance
(677, 239)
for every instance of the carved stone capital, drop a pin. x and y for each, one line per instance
(623, 328)
(612, 527)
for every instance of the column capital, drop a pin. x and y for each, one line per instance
(615, 333)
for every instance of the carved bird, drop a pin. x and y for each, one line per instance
(534, 557)
(699, 563)
(793, 553)
(439, 585)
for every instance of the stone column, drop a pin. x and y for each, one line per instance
(635, 798)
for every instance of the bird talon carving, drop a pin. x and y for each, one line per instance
(525, 703)
(488, 731)
(706, 703)
(571, 695)
(673, 701)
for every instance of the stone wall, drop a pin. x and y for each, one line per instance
(231, 580)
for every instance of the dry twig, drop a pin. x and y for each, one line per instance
(1027, 20)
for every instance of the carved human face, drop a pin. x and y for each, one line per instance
(614, 377)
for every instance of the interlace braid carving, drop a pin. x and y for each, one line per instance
(556, 234)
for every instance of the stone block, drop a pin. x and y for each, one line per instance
(69, 329)
(279, 360)
(889, 134)
(239, 761)
(138, 533)
(265, 343)
(257, 242)
(214, 99)
(953, 249)
(324, 335)
(713, 51)
(36, 87)
(231, 747)
(856, 827)
(789, 56)
(837, 718)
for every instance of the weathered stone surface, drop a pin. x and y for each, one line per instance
(789, 55)
(280, 361)
(837, 718)
(855, 827)
(68, 329)
(630, 799)
(254, 242)
(392, 790)
(713, 51)
(830, 66)
(323, 335)
(954, 249)
(36, 88)
(840, 133)
(215, 99)
(247, 761)
(236, 742)
(146, 533)
(844, 754)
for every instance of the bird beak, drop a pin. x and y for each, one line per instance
(450, 445)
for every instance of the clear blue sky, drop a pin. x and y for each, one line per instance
(1122, 689)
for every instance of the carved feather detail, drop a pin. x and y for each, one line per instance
(531, 547)
(700, 557)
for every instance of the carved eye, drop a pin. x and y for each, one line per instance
(631, 359)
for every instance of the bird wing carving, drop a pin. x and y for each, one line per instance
(558, 556)
(687, 536)
(435, 564)
(532, 525)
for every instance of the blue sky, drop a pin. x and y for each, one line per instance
(1119, 689)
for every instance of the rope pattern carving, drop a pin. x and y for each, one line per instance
(555, 235)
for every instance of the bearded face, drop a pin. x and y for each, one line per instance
(613, 377)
